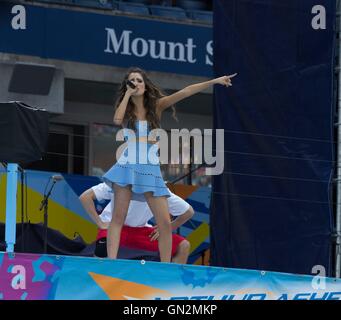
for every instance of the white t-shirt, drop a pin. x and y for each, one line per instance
(139, 212)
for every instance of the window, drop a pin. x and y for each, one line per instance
(103, 148)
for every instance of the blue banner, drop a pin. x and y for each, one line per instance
(272, 206)
(48, 277)
(107, 39)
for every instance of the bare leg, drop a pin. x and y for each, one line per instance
(182, 252)
(122, 199)
(159, 208)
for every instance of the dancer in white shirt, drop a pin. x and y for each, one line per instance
(136, 232)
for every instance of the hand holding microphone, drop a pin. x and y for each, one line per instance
(131, 87)
(130, 84)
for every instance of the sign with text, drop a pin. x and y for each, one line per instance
(106, 39)
(48, 277)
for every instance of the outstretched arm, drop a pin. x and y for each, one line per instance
(168, 101)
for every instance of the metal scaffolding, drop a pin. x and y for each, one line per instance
(338, 180)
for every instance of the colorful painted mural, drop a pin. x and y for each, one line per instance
(47, 277)
(67, 215)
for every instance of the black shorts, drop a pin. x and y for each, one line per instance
(101, 248)
(125, 252)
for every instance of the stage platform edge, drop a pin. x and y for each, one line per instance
(56, 277)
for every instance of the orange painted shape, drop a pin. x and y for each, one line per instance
(118, 289)
(182, 190)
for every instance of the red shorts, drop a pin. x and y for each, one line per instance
(138, 238)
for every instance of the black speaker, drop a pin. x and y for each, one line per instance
(31, 79)
(23, 133)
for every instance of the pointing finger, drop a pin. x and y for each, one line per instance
(232, 75)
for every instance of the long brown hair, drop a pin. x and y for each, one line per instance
(151, 95)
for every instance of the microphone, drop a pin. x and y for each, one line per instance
(57, 177)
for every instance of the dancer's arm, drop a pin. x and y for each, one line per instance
(180, 220)
(87, 199)
(167, 101)
(176, 223)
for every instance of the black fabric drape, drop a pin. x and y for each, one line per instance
(271, 208)
(23, 133)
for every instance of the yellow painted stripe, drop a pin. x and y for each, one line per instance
(2, 193)
(206, 259)
(198, 236)
(59, 218)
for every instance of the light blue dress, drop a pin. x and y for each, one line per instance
(138, 166)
